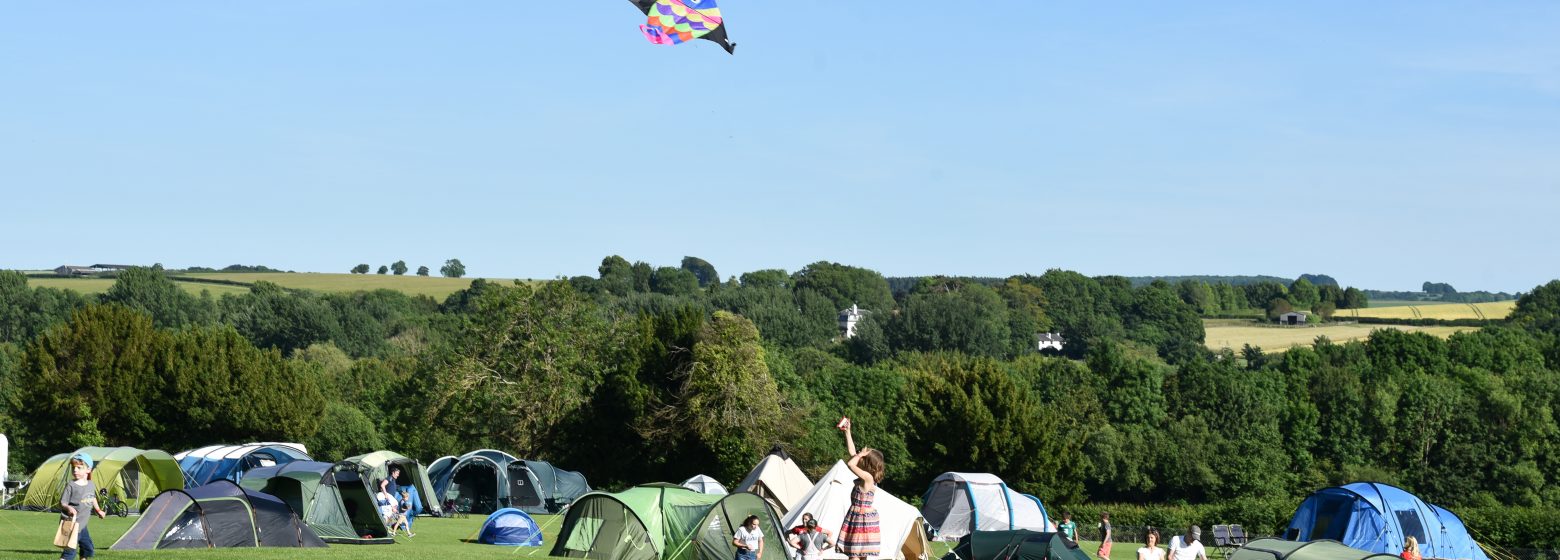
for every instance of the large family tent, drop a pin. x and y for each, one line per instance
(1277, 549)
(957, 504)
(510, 527)
(777, 479)
(704, 485)
(439, 470)
(477, 481)
(902, 533)
(540, 487)
(1019, 544)
(661, 522)
(217, 515)
(413, 478)
(218, 462)
(337, 504)
(133, 475)
(1376, 517)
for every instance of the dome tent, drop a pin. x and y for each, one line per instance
(217, 462)
(133, 475)
(510, 527)
(374, 466)
(337, 504)
(479, 479)
(704, 485)
(1376, 517)
(1018, 544)
(957, 504)
(217, 515)
(1277, 549)
(660, 521)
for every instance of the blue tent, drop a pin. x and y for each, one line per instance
(230, 462)
(1377, 517)
(510, 527)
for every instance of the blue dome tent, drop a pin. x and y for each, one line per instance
(1376, 517)
(510, 527)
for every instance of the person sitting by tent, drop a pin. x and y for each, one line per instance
(1411, 548)
(406, 512)
(810, 542)
(1188, 547)
(1151, 550)
(388, 510)
(749, 539)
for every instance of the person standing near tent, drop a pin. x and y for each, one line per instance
(80, 494)
(1067, 528)
(406, 512)
(1151, 550)
(1105, 536)
(389, 484)
(1411, 549)
(749, 539)
(811, 542)
(860, 535)
(1188, 546)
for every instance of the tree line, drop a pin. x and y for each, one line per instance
(452, 268)
(642, 373)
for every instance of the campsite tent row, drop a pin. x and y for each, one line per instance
(957, 504)
(230, 462)
(487, 480)
(1377, 517)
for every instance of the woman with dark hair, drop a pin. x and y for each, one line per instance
(749, 539)
(860, 536)
(1151, 550)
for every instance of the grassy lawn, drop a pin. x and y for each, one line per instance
(432, 286)
(1234, 334)
(100, 285)
(1489, 310)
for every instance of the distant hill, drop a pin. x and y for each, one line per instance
(1138, 281)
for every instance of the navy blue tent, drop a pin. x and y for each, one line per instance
(229, 462)
(1377, 517)
(510, 527)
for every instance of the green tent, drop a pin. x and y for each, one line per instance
(1021, 544)
(1278, 549)
(376, 465)
(133, 475)
(662, 522)
(336, 503)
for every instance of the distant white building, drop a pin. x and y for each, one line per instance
(849, 318)
(1049, 340)
(1293, 318)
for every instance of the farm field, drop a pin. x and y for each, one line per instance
(100, 285)
(432, 286)
(1419, 310)
(1233, 334)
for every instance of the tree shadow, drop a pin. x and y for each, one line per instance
(34, 552)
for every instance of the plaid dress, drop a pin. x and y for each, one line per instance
(859, 536)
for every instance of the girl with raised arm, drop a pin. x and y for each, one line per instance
(859, 536)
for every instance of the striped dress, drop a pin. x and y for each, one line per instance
(859, 536)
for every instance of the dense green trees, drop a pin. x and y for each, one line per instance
(399, 268)
(452, 269)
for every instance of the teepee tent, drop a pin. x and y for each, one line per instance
(777, 479)
(957, 504)
(661, 522)
(133, 475)
(902, 533)
(510, 527)
(217, 515)
(1376, 517)
(704, 485)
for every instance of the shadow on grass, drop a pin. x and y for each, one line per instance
(34, 552)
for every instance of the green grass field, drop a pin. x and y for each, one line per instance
(1235, 333)
(100, 285)
(1418, 310)
(432, 286)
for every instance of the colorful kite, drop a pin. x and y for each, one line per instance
(679, 21)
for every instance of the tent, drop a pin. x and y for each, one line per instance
(414, 479)
(1376, 517)
(704, 485)
(217, 515)
(217, 462)
(479, 480)
(1019, 544)
(902, 534)
(777, 479)
(336, 503)
(540, 487)
(439, 470)
(1278, 549)
(510, 527)
(957, 504)
(661, 521)
(133, 475)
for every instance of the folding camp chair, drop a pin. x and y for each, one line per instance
(1221, 540)
(1238, 536)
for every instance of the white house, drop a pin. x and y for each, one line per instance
(1049, 340)
(849, 318)
(1293, 318)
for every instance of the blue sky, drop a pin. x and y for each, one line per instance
(1384, 143)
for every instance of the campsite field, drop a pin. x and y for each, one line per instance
(1491, 310)
(100, 285)
(28, 534)
(1233, 334)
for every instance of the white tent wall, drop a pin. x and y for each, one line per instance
(995, 506)
(5, 457)
(991, 506)
(704, 484)
(829, 500)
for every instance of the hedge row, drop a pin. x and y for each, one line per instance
(1504, 527)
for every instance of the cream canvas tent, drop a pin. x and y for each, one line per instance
(778, 480)
(903, 535)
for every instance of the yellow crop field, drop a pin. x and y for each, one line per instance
(1235, 334)
(432, 286)
(1492, 311)
(100, 285)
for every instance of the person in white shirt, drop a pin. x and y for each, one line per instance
(749, 539)
(1188, 547)
(1152, 551)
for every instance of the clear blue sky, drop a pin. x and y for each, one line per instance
(1384, 143)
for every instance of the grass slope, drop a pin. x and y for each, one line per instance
(1234, 334)
(100, 285)
(1490, 310)
(432, 286)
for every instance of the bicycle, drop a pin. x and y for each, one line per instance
(112, 505)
